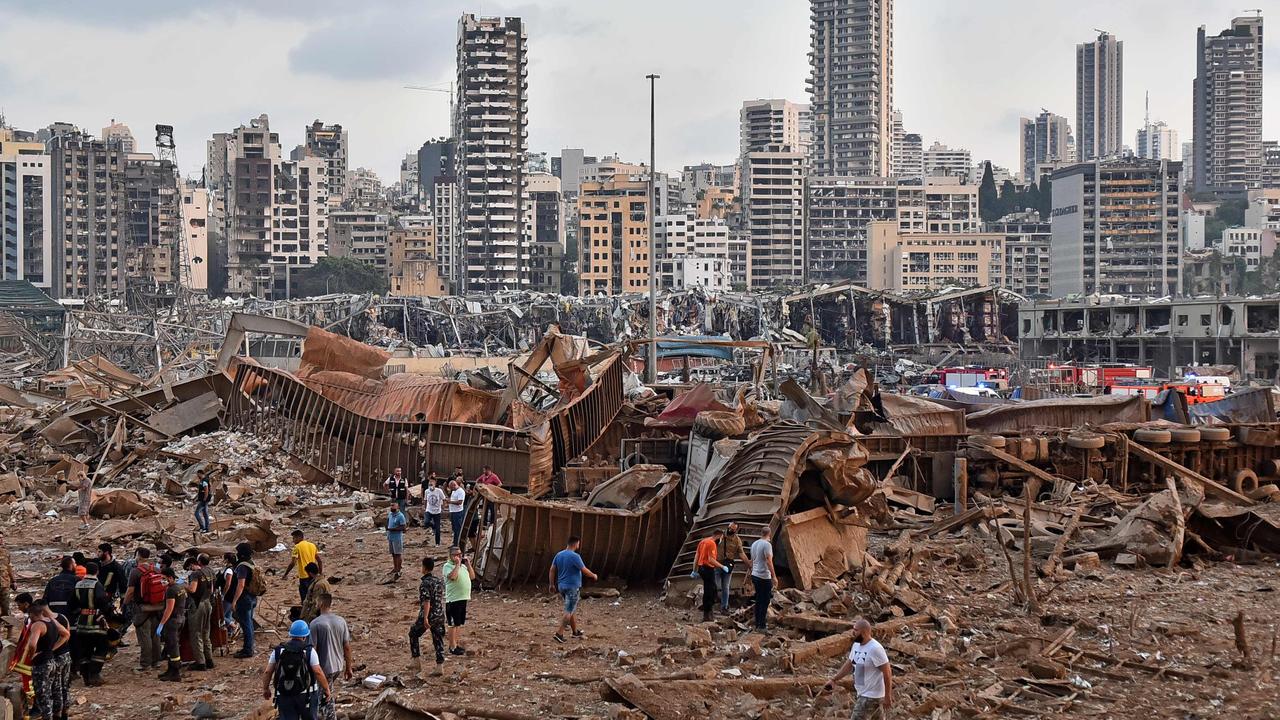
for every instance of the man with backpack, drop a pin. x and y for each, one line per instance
(146, 594)
(293, 672)
(247, 585)
(199, 611)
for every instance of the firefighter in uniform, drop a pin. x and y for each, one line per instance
(91, 625)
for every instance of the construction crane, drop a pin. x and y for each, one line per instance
(167, 150)
(425, 88)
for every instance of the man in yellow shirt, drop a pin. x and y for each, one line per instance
(304, 553)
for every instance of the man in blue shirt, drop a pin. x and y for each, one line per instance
(565, 577)
(395, 538)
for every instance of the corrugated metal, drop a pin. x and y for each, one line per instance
(1055, 412)
(576, 426)
(361, 451)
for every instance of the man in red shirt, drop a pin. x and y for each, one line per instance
(707, 565)
(489, 477)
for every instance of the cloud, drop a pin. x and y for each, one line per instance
(381, 43)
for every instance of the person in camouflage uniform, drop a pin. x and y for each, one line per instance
(430, 617)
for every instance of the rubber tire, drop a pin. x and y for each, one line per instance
(719, 423)
(1152, 436)
(1086, 441)
(1185, 435)
(993, 441)
(1245, 482)
(1215, 433)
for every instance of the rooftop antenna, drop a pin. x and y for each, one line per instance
(1146, 119)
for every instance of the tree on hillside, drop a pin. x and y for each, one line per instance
(337, 275)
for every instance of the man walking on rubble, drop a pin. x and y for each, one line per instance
(762, 576)
(565, 578)
(430, 619)
(304, 555)
(872, 674)
(204, 493)
(708, 566)
(395, 538)
(729, 551)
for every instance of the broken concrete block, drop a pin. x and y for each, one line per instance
(696, 637)
(1126, 560)
(1082, 562)
(822, 594)
(1045, 669)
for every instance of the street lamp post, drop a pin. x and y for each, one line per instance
(651, 366)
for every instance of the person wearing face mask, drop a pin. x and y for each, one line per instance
(872, 674)
(730, 551)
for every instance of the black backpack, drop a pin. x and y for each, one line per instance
(293, 675)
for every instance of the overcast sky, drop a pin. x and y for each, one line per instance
(965, 71)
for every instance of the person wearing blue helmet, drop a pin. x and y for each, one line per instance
(295, 677)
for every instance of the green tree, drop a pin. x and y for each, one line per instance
(337, 275)
(989, 206)
(1046, 197)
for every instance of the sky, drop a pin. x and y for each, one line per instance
(964, 71)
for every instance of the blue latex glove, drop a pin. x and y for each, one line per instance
(160, 630)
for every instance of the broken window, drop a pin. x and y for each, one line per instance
(1262, 318)
(1182, 321)
(1205, 319)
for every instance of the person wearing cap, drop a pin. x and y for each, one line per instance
(295, 699)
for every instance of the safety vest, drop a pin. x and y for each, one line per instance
(90, 618)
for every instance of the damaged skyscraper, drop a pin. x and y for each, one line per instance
(489, 122)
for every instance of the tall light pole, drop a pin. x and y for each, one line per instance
(651, 366)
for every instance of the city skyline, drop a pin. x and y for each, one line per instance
(350, 68)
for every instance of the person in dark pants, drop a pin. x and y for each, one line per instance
(304, 554)
(708, 567)
(762, 576)
(172, 622)
(90, 637)
(433, 506)
(243, 600)
(397, 486)
(430, 618)
(203, 494)
(293, 674)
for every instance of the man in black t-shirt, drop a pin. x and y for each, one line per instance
(172, 620)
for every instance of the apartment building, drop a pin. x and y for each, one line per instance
(363, 189)
(695, 271)
(1250, 244)
(490, 123)
(119, 135)
(329, 142)
(773, 209)
(1270, 164)
(613, 236)
(1263, 211)
(240, 175)
(1115, 227)
(546, 213)
(1026, 252)
(152, 226)
(361, 235)
(851, 86)
(1157, 141)
(1100, 97)
(89, 215)
(26, 215)
(765, 123)
(568, 167)
(300, 208)
(688, 236)
(943, 161)
(1044, 139)
(411, 258)
(928, 261)
(1227, 108)
(940, 205)
(195, 221)
(907, 153)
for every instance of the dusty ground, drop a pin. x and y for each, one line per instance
(1184, 615)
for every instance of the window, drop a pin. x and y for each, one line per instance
(1204, 320)
(1182, 321)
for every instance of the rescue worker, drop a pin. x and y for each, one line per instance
(20, 661)
(61, 589)
(172, 621)
(89, 651)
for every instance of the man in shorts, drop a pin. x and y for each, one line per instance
(458, 574)
(565, 577)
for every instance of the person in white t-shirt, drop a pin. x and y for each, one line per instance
(457, 501)
(872, 674)
(433, 505)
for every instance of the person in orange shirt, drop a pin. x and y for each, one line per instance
(708, 566)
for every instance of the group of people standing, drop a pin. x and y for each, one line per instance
(714, 562)
(437, 497)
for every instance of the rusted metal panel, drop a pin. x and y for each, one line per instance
(577, 425)
(754, 489)
(635, 542)
(361, 452)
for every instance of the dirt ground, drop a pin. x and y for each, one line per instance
(1184, 615)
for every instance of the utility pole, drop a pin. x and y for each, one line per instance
(651, 366)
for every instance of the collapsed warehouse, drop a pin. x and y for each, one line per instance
(951, 525)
